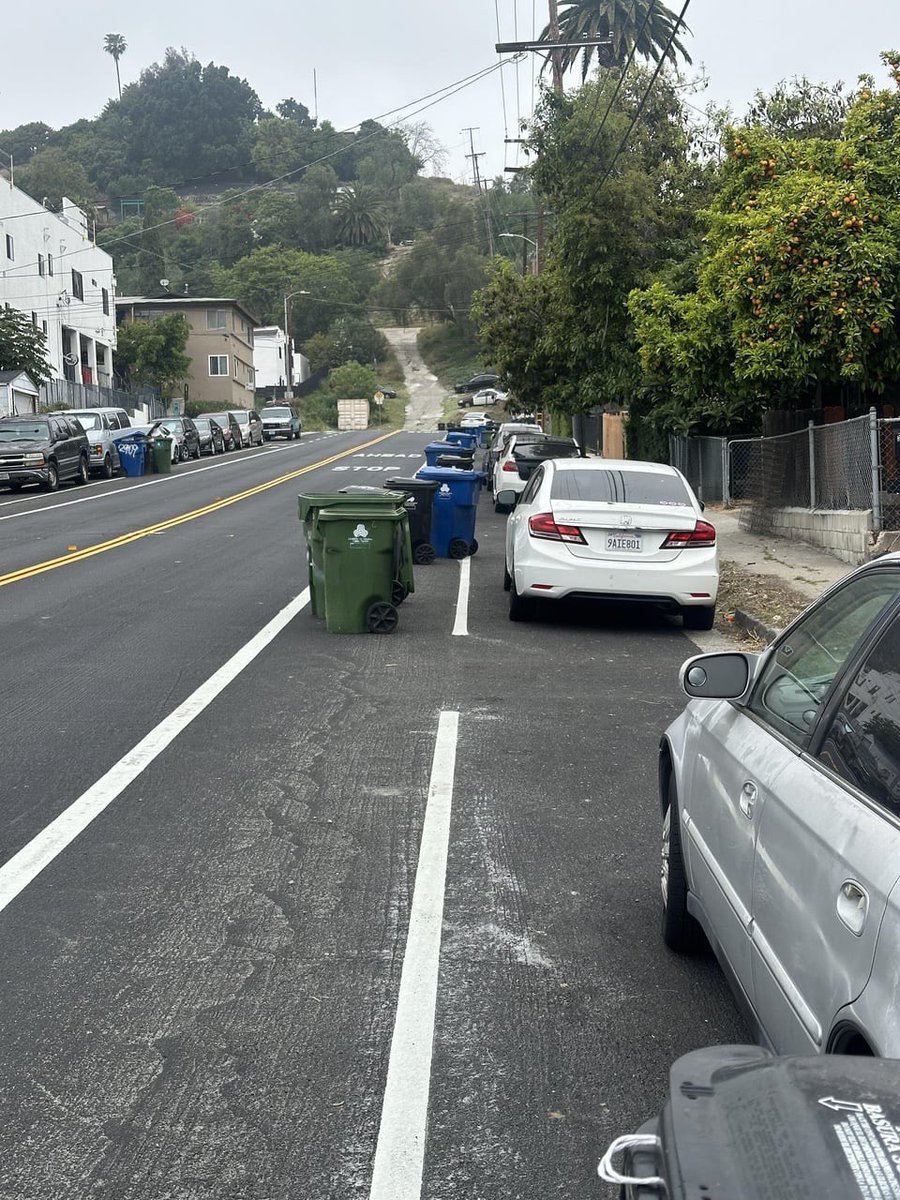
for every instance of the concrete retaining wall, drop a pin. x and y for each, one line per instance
(847, 534)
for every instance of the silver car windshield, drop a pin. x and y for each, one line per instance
(88, 420)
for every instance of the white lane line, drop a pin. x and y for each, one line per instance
(400, 1152)
(461, 623)
(22, 868)
(136, 487)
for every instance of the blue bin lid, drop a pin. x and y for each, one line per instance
(451, 447)
(449, 474)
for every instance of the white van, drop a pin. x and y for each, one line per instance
(102, 426)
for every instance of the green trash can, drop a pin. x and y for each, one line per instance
(162, 455)
(361, 546)
(308, 506)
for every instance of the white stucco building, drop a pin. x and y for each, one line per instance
(271, 360)
(51, 271)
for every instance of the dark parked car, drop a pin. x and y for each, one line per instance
(477, 382)
(42, 449)
(388, 393)
(185, 432)
(231, 430)
(212, 440)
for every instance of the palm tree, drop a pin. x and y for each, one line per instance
(361, 215)
(115, 45)
(647, 22)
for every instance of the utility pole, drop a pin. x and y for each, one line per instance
(482, 191)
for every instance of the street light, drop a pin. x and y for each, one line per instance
(288, 341)
(523, 238)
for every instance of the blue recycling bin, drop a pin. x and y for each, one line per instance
(434, 449)
(455, 509)
(467, 440)
(133, 454)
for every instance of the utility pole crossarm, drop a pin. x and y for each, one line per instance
(548, 47)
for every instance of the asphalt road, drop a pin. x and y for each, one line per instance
(200, 990)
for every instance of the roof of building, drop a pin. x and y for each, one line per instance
(12, 375)
(184, 302)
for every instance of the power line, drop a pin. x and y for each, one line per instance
(457, 86)
(643, 102)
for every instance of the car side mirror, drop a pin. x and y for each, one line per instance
(718, 676)
(509, 499)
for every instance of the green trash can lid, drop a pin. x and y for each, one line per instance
(361, 514)
(376, 497)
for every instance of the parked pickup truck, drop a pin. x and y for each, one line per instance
(103, 426)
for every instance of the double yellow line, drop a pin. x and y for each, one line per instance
(161, 526)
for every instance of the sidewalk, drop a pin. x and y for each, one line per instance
(766, 581)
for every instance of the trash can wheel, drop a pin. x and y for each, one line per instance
(473, 546)
(458, 548)
(423, 554)
(398, 592)
(382, 617)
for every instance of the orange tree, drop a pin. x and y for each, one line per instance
(795, 300)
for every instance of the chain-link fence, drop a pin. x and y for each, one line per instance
(704, 463)
(831, 468)
(847, 466)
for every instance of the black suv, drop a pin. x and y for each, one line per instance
(44, 449)
(476, 383)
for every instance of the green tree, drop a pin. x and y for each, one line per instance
(623, 22)
(160, 206)
(362, 216)
(23, 346)
(263, 278)
(346, 339)
(152, 352)
(115, 44)
(352, 381)
(186, 120)
(801, 109)
(794, 305)
(24, 141)
(612, 231)
(52, 174)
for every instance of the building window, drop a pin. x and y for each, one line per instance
(218, 364)
(101, 356)
(34, 319)
(10, 247)
(215, 318)
(42, 266)
(44, 327)
(49, 264)
(77, 285)
(105, 297)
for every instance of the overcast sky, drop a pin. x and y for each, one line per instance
(374, 56)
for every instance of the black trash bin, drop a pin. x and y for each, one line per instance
(463, 462)
(740, 1122)
(420, 507)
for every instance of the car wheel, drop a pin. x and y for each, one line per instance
(679, 929)
(697, 617)
(197, 452)
(521, 608)
(52, 484)
(84, 473)
(106, 471)
(507, 578)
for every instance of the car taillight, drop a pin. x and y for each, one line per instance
(510, 465)
(542, 525)
(703, 534)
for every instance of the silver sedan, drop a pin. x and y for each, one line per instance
(780, 791)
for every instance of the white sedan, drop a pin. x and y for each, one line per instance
(610, 530)
(475, 421)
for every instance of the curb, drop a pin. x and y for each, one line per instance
(750, 624)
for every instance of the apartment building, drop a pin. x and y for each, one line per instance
(53, 273)
(220, 345)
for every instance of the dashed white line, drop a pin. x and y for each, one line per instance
(400, 1151)
(461, 621)
(22, 868)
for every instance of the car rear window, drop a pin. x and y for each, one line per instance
(619, 487)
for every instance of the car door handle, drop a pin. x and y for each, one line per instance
(749, 793)
(853, 906)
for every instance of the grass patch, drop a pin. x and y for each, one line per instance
(450, 353)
